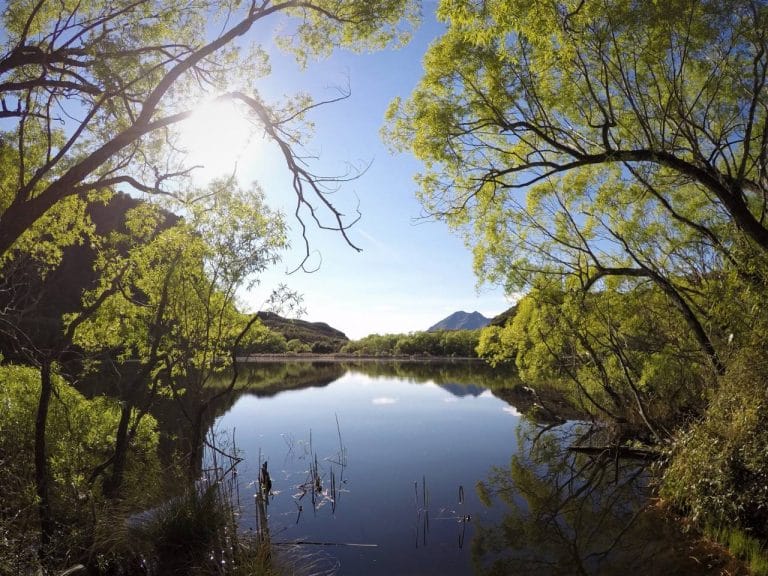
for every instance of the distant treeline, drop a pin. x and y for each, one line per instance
(447, 343)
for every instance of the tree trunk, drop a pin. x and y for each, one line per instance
(113, 485)
(196, 447)
(41, 460)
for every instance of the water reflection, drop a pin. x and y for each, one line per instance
(430, 469)
(570, 513)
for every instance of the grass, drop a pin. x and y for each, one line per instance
(742, 545)
(195, 533)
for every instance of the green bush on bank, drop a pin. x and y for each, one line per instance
(296, 346)
(620, 354)
(718, 470)
(80, 435)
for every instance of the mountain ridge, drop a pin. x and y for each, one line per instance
(461, 320)
(321, 337)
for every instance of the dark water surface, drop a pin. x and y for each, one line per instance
(403, 474)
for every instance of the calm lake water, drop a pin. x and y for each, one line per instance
(425, 470)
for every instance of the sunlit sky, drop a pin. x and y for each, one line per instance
(411, 273)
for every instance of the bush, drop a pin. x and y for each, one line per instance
(718, 469)
(80, 435)
(323, 347)
(297, 346)
(444, 343)
(194, 533)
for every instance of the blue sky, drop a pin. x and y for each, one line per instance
(411, 273)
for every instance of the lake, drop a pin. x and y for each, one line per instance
(425, 469)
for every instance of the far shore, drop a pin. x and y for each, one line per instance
(309, 357)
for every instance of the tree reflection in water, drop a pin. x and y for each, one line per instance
(569, 514)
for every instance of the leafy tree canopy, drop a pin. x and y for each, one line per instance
(91, 93)
(595, 138)
(171, 297)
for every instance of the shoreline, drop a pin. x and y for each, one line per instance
(338, 358)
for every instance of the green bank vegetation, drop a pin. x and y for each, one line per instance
(299, 336)
(444, 343)
(609, 162)
(80, 436)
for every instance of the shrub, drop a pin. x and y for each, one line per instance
(718, 469)
(80, 435)
(297, 346)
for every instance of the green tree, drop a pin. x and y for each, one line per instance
(91, 97)
(78, 436)
(443, 343)
(594, 140)
(265, 341)
(373, 345)
(669, 98)
(621, 362)
(123, 74)
(175, 314)
(297, 346)
(618, 148)
(459, 343)
(493, 347)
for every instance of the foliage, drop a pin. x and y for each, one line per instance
(80, 430)
(185, 532)
(609, 160)
(494, 346)
(584, 146)
(633, 130)
(442, 343)
(262, 340)
(373, 345)
(123, 75)
(619, 353)
(718, 470)
(297, 346)
(93, 96)
(168, 302)
(80, 435)
(743, 545)
(178, 285)
(194, 532)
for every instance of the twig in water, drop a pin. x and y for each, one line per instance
(342, 449)
(310, 543)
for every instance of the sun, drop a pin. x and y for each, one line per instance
(217, 137)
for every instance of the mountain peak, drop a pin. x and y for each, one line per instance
(461, 321)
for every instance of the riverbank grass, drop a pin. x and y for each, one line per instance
(197, 533)
(745, 547)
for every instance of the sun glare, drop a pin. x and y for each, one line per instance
(219, 137)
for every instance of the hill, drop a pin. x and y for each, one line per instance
(319, 336)
(501, 319)
(461, 321)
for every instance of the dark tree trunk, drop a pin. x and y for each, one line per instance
(196, 447)
(41, 460)
(114, 484)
